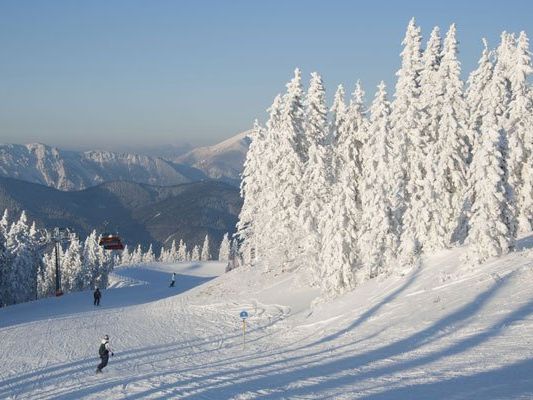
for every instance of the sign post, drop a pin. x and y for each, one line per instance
(243, 316)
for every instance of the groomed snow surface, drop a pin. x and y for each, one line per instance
(443, 331)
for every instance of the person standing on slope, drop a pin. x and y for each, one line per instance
(103, 352)
(97, 296)
(173, 280)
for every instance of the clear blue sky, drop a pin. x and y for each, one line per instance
(100, 74)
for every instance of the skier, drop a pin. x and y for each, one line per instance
(173, 280)
(97, 295)
(103, 352)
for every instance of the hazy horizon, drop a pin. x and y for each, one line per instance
(136, 74)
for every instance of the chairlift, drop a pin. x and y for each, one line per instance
(111, 242)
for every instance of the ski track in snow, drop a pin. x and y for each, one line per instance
(443, 331)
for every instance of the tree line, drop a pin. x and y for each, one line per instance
(348, 193)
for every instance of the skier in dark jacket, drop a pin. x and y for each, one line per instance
(103, 352)
(97, 296)
(173, 280)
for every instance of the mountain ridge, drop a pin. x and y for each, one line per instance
(141, 213)
(69, 170)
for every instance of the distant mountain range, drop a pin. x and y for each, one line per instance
(70, 170)
(223, 161)
(140, 213)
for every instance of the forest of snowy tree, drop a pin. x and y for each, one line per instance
(352, 193)
(27, 261)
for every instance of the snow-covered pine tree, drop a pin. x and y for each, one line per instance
(285, 154)
(4, 223)
(90, 257)
(339, 258)
(125, 256)
(253, 193)
(173, 252)
(182, 251)
(317, 178)
(72, 268)
(354, 129)
(410, 149)
(475, 95)
(3, 266)
(105, 266)
(206, 251)
(338, 115)
(378, 238)
(347, 150)
(195, 255)
(492, 222)
(137, 255)
(163, 255)
(46, 277)
(520, 132)
(149, 256)
(430, 87)
(447, 207)
(224, 250)
(21, 276)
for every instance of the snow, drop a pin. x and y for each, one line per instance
(445, 330)
(70, 170)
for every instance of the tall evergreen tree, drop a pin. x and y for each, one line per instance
(72, 274)
(206, 250)
(195, 255)
(409, 146)
(492, 224)
(450, 159)
(224, 250)
(21, 274)
(338, 115)
(476, 93)
(521, 132)
(149, 256)
(378, 238)
(182, 251)
(317, 178)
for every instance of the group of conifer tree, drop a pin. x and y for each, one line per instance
(349, 193)
(28, 260)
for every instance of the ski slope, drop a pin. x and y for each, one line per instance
(443, 331)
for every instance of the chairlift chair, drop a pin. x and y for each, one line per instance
(111, 242)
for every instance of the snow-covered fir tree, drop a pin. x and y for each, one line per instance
(476, 93)
(22, 268)
(252, 188)
(137, 255)
(206, 250)
(182, 251)
(195, 254)
(410, 148)
(338, 115)
(224, 249)
(493, 223)
(378, 238)
(520, 131)
(149, 256)
(173, 252)
(125, 256)
(317, 177)
(46, 283)
(448, 178)
(3, 267)
(71, 268)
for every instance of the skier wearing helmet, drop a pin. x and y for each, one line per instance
(103, 352)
